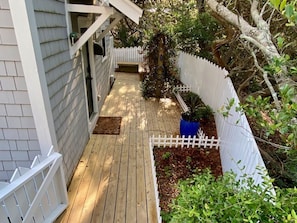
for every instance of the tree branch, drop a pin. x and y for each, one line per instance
(268, 83)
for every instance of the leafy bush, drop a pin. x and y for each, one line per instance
(206, 199)
(197, 109)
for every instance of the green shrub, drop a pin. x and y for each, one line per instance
(206, 199)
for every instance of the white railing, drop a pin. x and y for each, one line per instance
(134, 54)
(237, 141)
(37, 194)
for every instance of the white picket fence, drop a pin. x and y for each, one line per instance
(214, 87)
(132, 54)
(201, 141)
(35, 195)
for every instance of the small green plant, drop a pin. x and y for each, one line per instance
(166, 155)
(188, 159)
(167, 170)
(203, 198)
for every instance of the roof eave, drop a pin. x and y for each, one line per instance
(128, 8)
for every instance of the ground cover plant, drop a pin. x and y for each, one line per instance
(204, 198)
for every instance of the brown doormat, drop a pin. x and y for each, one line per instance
(108, 126)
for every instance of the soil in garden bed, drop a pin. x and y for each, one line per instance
(174, 164)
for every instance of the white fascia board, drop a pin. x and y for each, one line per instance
(128, 8)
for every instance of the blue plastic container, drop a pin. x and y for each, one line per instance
(188, 128)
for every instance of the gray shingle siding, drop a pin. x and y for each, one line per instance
(18, 138)
(65, 82)
(64, 76)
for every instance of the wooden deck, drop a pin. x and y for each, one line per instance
(113, 181)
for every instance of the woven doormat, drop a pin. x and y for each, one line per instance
(108, 126)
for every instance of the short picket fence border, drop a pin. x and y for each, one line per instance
(200, 141)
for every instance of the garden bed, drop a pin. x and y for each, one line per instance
(174, 163)
(178, 158)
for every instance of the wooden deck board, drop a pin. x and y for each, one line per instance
(113, 181)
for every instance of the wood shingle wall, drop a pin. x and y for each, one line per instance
(65, 82)
(18, 138)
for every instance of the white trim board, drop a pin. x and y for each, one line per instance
(31, 58)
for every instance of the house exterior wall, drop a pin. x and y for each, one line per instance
(18, 138)
(65, 86)
(65, 82)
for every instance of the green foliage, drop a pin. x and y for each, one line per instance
(206, 199)
(168, 171)
(192, 32)
(127, 36)
(225, 110)
(192, 100)
(195, 34)
(197, 109)
(274, 121)
(166, 155)
(288, 9)
(162, 76)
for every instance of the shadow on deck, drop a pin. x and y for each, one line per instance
(113, 181)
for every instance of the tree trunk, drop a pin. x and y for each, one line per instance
(160, 71)
(259, 35)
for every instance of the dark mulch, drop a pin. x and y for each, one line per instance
(108, 126)
(174, 164)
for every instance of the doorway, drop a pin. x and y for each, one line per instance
(88, 78)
